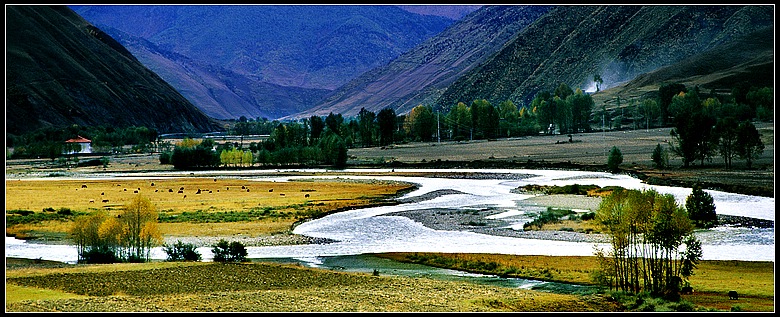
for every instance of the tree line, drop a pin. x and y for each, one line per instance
(49, 142)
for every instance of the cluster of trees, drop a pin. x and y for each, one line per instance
(49, 142)
(703, 128)
(653, 248)
(311, 142)
(128, 237)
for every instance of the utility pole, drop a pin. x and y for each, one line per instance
(438, 135)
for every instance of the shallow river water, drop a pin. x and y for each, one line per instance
(371, 230)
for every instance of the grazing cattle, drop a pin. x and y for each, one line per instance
(185, 196)
(271, 190)
(170, 190)
(243, 187)
(306, 196)
(155, 190)
(180, 192)
(153, 184)
(181, 188)
(198, 192)
(210, 191)
(125, 189)
(281, 194)
(103, 193)
(91, 201)
(135, 192)
(247, 190)
(733, 295)
(215, 180)
(83, 185)
(105, 200)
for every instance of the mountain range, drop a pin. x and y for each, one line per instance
(264, 60)
(386, 56)
(547, 46)
(61, 70)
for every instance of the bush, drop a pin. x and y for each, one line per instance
(229, 252)
(588, 216)
(180, 251)
(99, 255)
(614, 160)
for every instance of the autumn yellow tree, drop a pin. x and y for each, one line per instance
(140, 234)
(128, 236)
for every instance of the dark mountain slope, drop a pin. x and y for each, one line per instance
(571, 44)
(748, 58)
(420, 75)
(263, 60)
(61, 70)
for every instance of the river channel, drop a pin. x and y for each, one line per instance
(374, 230)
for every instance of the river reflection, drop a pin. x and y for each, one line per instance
(370, 230)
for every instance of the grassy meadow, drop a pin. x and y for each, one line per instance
(263, 287)
(712, 280)
(193, 206)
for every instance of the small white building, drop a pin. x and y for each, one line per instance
(85, 145)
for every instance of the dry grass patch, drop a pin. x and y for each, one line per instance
(712, 279)
(273, 287)
(290, 201)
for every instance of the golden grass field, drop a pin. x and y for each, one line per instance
(216, 195)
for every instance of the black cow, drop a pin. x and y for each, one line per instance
(733, 295)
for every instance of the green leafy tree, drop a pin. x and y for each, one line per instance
(701, 208)
(749, 144)
(366, 121)
(317, 125)
(581, 107)
(666, 93)
(762, 100)
(693, 128)
(615, 159)
(334, 122)
(660, 157)
(459, 121)
(386, 121)
(726, 135)
(509, 119)
(420, 123)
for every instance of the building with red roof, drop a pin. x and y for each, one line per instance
(85, 145)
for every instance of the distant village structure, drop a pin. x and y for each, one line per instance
(84, 145)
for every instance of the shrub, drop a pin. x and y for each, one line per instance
(614, 160)
(229, 252)
(588, 216)
(99, 255)
(180, 251)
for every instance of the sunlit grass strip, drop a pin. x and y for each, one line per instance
(16, 293)
(712, 279)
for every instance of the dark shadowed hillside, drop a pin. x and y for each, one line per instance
(61, 70)
(749, 58)
(571, 44)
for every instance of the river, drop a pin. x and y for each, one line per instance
(371, 230)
